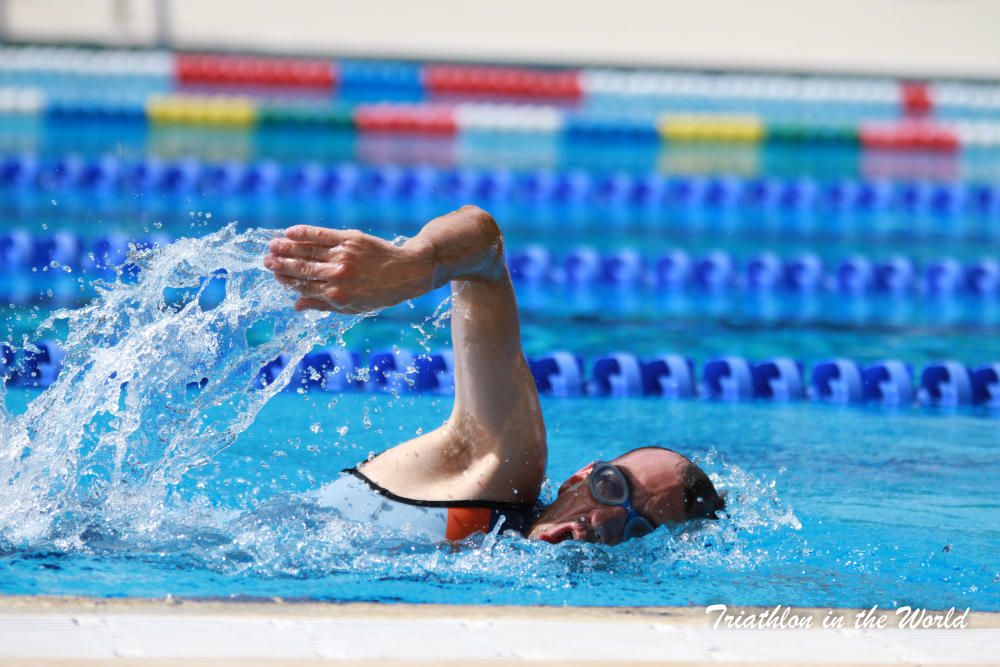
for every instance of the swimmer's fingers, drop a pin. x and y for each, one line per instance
(287, 281)
(313, 304)
(294, 249)
(308, 288)
(317, 304)
(320, 235)
(299, 268)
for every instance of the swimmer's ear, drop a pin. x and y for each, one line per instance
(576, 478)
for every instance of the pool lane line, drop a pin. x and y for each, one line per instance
(95, 629)
(946, 385)
(628, 271)
(789, 197)
(447, 116)
(282, 74)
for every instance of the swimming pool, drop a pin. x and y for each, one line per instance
(831, 505)
(891, 526)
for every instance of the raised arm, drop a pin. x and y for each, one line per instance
(493, 445)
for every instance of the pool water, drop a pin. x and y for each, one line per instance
(828, 507)
(149, 487)
(125, 479)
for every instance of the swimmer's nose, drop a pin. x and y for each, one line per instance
(570, 530)
(561, 532)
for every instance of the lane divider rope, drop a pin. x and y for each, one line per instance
(906, 97)
(792, 197)
(584, 267)
(563, 374)
(449, 119)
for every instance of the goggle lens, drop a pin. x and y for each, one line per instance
(637, 527)
(609, 486)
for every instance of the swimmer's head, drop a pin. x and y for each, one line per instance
(665, 489)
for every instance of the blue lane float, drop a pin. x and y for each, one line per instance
(669, 376)
(792, 198)
(983, 277)
(582, 267)
(837, 381)
(397, 371)
(943, 276)
(715, 271)
(986, 386)
(727, 379)
(331, 370)
(895, 275)
(625, 268)
(803, 273)
(764, 272)
(37, 365)
(734, 379)
(563, 374)
(673, 270)
(779, 380)
(946, 384)
(558, 374)
(435, 372)
(391, 371)
(889, 383)
(617, 375)
(8, 357)
(854, 275)
(532, 264)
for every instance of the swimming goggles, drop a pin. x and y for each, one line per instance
(608, 486)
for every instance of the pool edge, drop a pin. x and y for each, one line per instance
(301, 607)
(83, 631)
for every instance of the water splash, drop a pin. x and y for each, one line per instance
(303, 549)
(157, 379)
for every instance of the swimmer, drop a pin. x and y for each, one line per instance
(485, 465)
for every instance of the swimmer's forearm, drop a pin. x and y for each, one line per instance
(348, 271)
(463, 245)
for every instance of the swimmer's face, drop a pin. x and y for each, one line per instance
(655, 478)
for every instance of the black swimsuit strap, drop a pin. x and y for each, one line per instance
(481, 504)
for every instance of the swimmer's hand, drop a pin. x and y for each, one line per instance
(348, 271)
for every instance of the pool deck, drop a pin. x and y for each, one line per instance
(86, 631)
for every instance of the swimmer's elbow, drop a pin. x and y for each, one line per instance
(491, 239)
(486, 222)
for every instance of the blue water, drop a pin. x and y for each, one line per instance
(120, 481)
(829, 507)
(124, 481)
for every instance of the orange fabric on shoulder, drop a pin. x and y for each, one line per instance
(464, 521)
